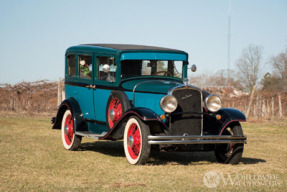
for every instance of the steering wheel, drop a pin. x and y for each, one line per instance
(165, 73)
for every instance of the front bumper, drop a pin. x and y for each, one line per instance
(196, 139)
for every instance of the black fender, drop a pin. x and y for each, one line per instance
(230, 115)
(143, 113)
(73, 106)
(146, 115)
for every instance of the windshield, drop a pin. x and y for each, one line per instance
(167, 68)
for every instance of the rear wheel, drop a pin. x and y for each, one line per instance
(230, 153)
(136, 145)
(69, 139)
(118, 104)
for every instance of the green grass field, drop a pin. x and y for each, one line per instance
(32, 158)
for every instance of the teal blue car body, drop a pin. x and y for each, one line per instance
(107, 84)
(147, 95)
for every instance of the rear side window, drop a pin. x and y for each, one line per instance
(106, 69)
(71, 65)
(85, 66)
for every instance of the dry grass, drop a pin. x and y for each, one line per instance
(33, 159)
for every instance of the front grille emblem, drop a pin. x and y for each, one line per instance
(186, 96)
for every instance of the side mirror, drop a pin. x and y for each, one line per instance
(106, 68)
(193, 68)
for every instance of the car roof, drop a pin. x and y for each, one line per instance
(115, 48)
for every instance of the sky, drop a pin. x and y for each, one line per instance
(35, 34)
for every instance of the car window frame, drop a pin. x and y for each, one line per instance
(104, 82)
(85, 80)
(67, 76)
(77, 77)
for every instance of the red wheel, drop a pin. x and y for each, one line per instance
(115, 111)
(136, 146)
(118, 103)
(70, 140)
(134, 141)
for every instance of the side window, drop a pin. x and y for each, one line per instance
(106, 69)
(146, 69)
(178, 65)
(85, 66)
(71, 59)
(162, 66)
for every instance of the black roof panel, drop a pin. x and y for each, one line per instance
(123, 47)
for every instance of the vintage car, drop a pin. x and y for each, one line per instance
(140, 94)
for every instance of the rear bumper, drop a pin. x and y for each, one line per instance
(196, 139)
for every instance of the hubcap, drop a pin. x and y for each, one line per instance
(134, 141)
(66, 129)
(112, 114)
(115, 111)
(69, 129)
(130, 141)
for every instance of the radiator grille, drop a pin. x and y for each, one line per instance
(189, 100)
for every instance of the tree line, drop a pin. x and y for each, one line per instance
(250, 88)
(250, 72)
(267, 89)
(31, 97)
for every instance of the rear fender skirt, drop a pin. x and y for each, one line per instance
(230, 115)
(73, 106)
(144, 114)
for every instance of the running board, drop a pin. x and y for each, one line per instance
(89, 134)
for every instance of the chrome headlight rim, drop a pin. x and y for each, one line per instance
(168, 99)
(208, 104)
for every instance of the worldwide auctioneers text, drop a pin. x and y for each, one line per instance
(214, 179)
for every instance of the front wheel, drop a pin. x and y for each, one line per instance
(230, 153)
(70, 140)
(136, 145)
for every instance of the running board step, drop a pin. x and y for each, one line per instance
(89, 134)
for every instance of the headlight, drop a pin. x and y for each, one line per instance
(213, 103)
(168, 103)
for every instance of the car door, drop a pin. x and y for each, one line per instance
(80, 86)
(105, 81)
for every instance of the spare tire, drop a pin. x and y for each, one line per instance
(118, 104)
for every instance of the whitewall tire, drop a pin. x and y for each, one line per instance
(69, 139)
(136, 145)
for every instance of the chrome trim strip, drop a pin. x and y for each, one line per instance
(183, 86)
(171, 90)
(168, 142)
(195, 137)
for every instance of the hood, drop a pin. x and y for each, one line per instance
(150, 85)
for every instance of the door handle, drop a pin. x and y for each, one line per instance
(91, 86)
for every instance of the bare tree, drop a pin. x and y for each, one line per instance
(249, 66)
(200, 80)
(279, 64)
(220, 78)
(217, 79)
